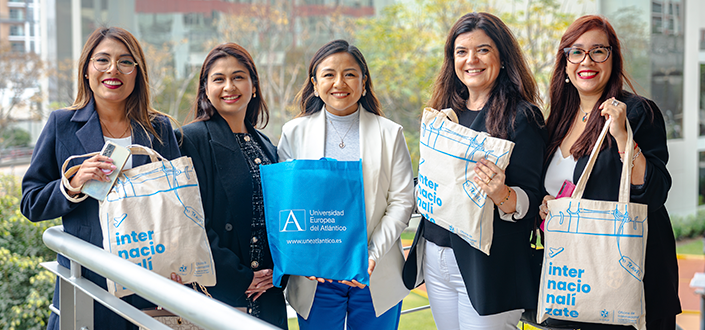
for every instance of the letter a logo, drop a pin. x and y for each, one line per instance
(289, 220)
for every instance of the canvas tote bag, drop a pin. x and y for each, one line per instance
(594, 255)
(315, 217)
(153, 217)
(446, 193)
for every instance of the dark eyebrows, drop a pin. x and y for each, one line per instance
(222, 74)
(478, 46)
(593, 45)
(104, 53)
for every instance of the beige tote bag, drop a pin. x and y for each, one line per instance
(594, 255)
(446, 193)
(153, 217)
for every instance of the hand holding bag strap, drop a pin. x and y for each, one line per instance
(67, 174)
(137, 149)
(625, 180)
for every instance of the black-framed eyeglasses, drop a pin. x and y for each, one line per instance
(597, 54)
(103, 63)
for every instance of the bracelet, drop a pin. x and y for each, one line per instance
(509, 193)
(636, 154)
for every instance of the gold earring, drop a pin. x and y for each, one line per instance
(254, 95)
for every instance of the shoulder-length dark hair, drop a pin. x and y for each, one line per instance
(138, 107)
(514, 84)
(565, 99)
(310, 104)
(257, 112)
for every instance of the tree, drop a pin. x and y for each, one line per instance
(19, 91)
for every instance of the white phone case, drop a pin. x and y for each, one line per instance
(99, 189)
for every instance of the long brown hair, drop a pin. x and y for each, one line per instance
(257, 112)
(310, 104)
(565, 100)
(138, 107)
(514, 84)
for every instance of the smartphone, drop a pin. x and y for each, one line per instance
(100, 189)
(566, 189)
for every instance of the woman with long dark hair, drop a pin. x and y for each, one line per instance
(227, 150)
(341, 118)
(112, 104)
(486, 81)
(587, 86)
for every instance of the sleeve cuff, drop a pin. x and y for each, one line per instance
(522, 206)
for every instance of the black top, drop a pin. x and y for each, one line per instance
(433, 232)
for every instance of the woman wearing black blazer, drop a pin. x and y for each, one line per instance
(226, 151)
(486, 81)
(112, 104)
(587, 87)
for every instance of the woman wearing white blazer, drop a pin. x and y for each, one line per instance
(340, 118)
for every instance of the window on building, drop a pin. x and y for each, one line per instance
(16, 30)
(701, 178)
(17, 47)
(656, 7)
(702, 94)
(16, 14)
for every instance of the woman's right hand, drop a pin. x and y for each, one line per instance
(261, 282)
(97, 167)
(543, 208)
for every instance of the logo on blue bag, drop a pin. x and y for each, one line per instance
(292, 220)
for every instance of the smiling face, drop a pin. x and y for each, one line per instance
(112, 87)
(589, 77)
(339, 82)
(229, 88)
(477, 62)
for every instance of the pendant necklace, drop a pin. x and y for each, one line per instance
(586, 114)
(111, 133)
(342, 142)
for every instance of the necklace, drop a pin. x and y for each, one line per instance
(342, 143)
(111, 133)
(586, 114)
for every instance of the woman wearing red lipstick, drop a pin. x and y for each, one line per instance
(586, 88)
(486, 81)
(341, 118)
(227, 150)
(113, 104)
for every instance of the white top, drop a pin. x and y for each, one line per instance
(559, 170)
(345, 130)
(123, 142)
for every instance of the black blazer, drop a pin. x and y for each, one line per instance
(77, 132)
(496, 283)
(226, 190)
(661, 274)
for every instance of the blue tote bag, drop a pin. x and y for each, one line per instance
(315, 215)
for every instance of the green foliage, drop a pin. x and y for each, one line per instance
(25, 287)
(688, 226)
(15, 137)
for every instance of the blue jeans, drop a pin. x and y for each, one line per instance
(334, 301)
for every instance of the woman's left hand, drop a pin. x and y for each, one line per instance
(490, 178)
(618, 112)
(357, 284)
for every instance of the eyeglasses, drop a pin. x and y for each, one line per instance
(103, 63)
(598, 54)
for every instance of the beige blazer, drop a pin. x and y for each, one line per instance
(389, 197)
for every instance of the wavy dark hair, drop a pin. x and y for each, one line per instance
(514, 84)
(565, 100)
(310, 104)
(137, 107)
(257, 113)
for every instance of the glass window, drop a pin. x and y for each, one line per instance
(16, 14)
(657, 25)
(18, 47)
(656, 7)
(16, 30)
(701, 177)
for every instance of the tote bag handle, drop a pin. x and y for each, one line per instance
(625, 180)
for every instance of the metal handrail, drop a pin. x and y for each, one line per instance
(203, 311)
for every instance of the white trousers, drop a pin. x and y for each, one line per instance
(448, 296)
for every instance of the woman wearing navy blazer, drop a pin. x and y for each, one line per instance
(586, 87)
(112, 104)
(227, 150)
(486, 81)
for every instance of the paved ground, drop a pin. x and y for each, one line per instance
(688, 265)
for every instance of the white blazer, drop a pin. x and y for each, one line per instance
(389, 197)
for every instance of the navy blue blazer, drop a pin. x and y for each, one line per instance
(226, 191)
(77, 132)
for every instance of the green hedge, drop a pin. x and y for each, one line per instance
(26, 288)
(688, 226)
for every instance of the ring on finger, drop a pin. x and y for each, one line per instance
(615, 103)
